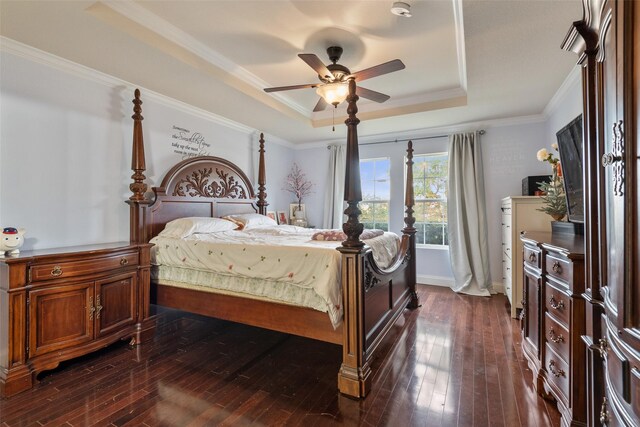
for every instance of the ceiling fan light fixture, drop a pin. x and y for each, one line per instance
(401, 8)
(333, 93)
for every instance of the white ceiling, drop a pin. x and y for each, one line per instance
(466, 61)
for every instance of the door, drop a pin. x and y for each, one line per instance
(61, 317)
(115, 303)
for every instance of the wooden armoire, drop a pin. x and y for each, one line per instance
(607, 41)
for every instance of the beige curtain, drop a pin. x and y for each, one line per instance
(467, 218)
(334, 196)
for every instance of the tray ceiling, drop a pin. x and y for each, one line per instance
(466, 61)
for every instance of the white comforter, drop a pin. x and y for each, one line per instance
(284, 254)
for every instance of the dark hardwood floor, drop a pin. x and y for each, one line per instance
(457, 362)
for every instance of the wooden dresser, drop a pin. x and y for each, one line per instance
(57, 304)
(519, 213)
(554, 320)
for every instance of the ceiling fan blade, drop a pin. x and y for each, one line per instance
(371, 94)
(314, 62)
(321, 105)
(277, 89)
(378, 70)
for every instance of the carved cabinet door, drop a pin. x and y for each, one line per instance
(617, 78)
(60, 317)
(116, 302)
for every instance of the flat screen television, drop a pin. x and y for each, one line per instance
(570, 150)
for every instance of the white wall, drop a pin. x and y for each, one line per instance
(566, 105)
(65, 151)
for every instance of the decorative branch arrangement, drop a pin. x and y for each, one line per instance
(297, 184)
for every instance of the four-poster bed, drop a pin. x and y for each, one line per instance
(372, 297)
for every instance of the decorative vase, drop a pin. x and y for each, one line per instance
(299, 214)
(557, 217)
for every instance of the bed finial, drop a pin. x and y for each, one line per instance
(409, 200)
(262, 180)
(352, 191)
(138, 187)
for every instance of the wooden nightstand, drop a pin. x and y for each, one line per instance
(57, 304)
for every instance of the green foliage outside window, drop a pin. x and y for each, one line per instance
(430, 174)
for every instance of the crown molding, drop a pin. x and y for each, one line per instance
(41, 57)
(152, 22)
(460, 45)
(433, 131)
(554, 103)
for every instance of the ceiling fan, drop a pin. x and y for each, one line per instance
(333, 88)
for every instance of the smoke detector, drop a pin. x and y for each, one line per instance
(401, 9)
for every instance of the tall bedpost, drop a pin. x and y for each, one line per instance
(137, 202)
(352, 191)
(354, 378)
(262, 181)
(409, 230)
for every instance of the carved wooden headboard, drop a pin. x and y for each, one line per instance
(199, 186)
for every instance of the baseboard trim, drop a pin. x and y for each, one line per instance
(498, 287)
(435, 280)
(447, 282)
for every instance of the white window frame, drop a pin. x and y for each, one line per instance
(376, 201)
(428, 245)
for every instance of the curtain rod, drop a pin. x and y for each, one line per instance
(481, 132)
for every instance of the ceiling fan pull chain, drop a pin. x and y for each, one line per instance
(333, 120)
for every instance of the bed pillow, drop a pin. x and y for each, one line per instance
(252, 220)
(184, 227)
(339, 236)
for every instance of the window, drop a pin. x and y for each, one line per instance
(430, 172)
(376, 192)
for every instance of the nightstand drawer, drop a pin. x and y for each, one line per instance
(558, 304)
(557, 372)
(80, 268)
(558, 268)
(532, 257)
(557, 336)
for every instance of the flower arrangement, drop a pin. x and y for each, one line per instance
(297, 184)
(554, 196)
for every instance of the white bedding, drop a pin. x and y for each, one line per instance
(274, 262)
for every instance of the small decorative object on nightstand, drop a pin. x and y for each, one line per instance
(12, 240)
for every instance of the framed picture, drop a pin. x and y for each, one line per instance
(293, 207)
(282, 218)
(272, 215)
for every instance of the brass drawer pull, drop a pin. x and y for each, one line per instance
(124, 261)
(98, 307)
(556, 372)
(557, 305)
(57, 271)
(532, 257)
(604, 413)
(555, 338)
(557, 268)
